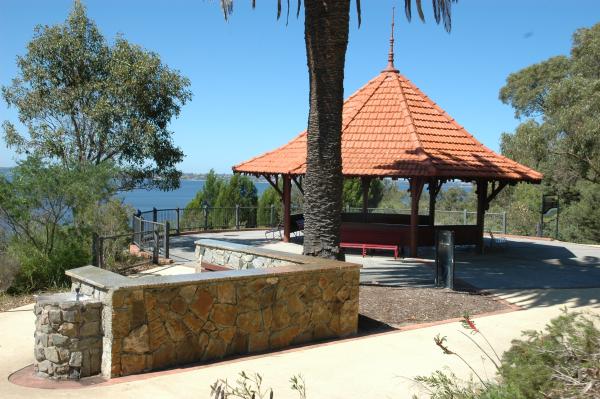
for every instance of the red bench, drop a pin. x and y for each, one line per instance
(365, 246)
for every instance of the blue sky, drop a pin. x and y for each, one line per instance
(249, 75)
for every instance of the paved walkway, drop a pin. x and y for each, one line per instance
(376, 366)
(520, 264)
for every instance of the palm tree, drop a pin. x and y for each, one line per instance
(326, 24)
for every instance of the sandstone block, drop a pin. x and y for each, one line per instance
(250, 321)
(132, 364)
(188, 293)
(193, 323)
(137, 340)
(176, 329)
(179, 305)
(224, 314)
(202, 304)
(226, 293)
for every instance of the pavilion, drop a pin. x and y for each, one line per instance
(391, 129)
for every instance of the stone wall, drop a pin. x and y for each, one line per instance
(160, 327)
(236, 259)
(155, 322)
(68, 337)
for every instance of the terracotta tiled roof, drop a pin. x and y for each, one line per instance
(391, 128)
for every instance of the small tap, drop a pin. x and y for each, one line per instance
(77, 293)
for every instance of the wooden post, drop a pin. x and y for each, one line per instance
(416, 187)
(287, 199)
(365, 182)
(481, 206)
(433, 192)
(178, 222)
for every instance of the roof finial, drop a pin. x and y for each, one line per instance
(390, 66)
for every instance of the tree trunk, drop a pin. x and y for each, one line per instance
(326, 36)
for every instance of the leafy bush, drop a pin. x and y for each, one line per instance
(39, 270)
(563, 361)
(9, 268)
(51, 212)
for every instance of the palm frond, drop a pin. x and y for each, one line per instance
(298, 10)
(227, 7)
(358, 12)
(420, 10)
(278, 9)
(442, 11)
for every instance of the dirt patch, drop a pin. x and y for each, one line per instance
(8, 302)
(395, 307)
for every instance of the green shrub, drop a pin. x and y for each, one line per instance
(40, 271)
(563, 361)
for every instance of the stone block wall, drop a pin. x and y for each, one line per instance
(68, 337)
(156, 327)
(237, 260)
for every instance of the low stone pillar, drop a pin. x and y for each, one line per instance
(68, 336)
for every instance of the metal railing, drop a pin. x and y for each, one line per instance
(113, 252)
(493, 221)
(151, 235)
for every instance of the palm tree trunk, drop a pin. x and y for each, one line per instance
(326, 36)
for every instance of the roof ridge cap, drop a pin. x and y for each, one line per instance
(412, 123)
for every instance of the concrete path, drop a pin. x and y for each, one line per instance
(520, 264)
(377, 366)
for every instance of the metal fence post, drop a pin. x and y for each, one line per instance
(272, 219)
(100, 254)
(154, 215)
(155, 246)
(464, 216)
(237, 216)
(205, 210)
(504, 222)
(178, 225)
(166, 239)
(95, 249)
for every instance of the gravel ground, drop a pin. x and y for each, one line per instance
(397, 307)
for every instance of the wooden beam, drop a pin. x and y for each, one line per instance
(298, 184)
(287, 207)
(274, 184)
(495, 191)
(416, 188)
(482, 186)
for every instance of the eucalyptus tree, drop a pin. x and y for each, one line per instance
(326, 25)
(86, 102)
